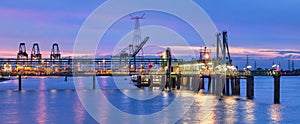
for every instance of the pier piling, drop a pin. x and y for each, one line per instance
(276, 89)
(232, 86)
(237, 86)
(178, 81)
(250, 87)
(209, 83)
(94, 82)
(201, 83)
(20, 82)
(227, 86)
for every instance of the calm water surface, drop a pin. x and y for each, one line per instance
(52, 100)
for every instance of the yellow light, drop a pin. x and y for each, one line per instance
(103, 60)
(131, 66)
(206, 56)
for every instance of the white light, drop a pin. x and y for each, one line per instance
(249, 66)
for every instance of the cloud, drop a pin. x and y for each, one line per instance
(283, 52)
(288, 54)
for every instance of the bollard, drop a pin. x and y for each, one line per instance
(276, 89)
(94, 82)
(20, 83)
(250, 87)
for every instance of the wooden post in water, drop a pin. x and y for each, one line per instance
(250, 87)
(20, 83)
(276, 89)
(94, 82)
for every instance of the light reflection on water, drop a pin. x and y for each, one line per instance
(249, 107)
(41, 104)
(275, 113)
(231, 110)
(45, 100)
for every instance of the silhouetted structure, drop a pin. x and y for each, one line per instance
(22, 53)
(35, 53)
(55, 54)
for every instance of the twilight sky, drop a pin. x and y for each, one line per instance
(266, 30)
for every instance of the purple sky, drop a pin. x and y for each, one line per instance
(266, 30)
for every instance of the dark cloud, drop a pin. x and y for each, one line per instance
(282, 52)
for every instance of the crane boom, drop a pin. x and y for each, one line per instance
(140, 46)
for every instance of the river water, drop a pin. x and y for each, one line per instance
(53, 100)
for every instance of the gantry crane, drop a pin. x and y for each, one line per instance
(22, 53)
(35, 53)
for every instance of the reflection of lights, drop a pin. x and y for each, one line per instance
(206, 105)
(53, 91)
(230, 106)
(125, 90)
(41, 108)
(249, 114)
(275, 112)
